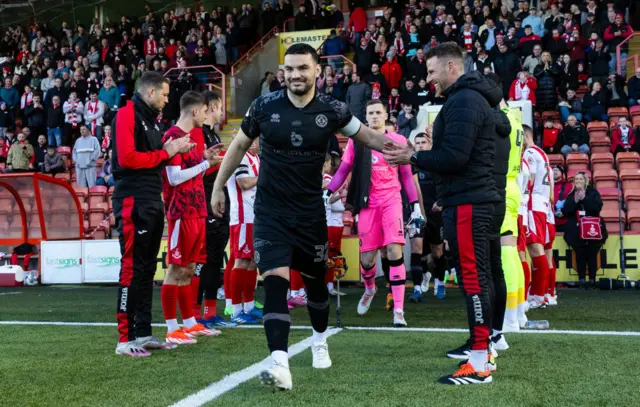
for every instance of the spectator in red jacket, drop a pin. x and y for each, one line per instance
(357, 22)
(524, 88)
(615, 34)
(392, 71)
(623, 137)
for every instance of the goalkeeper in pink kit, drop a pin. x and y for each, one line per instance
(375, 194)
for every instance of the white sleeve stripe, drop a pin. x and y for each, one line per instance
(352, 128)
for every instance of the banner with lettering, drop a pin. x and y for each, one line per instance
(315, 38)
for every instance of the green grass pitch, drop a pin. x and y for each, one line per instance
(45, 365)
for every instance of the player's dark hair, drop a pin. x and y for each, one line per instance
(527, 128)
(152, 80)
(302, 49)
(192, 99)
(375, 102)
(448, 49)
(420, 135)
(211, 96)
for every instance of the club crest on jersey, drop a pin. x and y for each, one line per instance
(176, 254)
(275, 118)
(321, 121)
(296, 139)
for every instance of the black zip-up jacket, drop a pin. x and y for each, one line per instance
(138, 156)
(35, 117)
(464, 152)
(55, 117)
(503, 146)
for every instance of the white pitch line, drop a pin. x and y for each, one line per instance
(229, 382)
(12, 293)
(350, 328)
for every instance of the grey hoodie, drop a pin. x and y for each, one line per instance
(86, 151)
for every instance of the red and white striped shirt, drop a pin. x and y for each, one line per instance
(242, 201)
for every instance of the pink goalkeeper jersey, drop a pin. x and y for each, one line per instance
(385, 184)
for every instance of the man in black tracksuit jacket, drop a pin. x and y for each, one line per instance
(462, 161)
(138, 159)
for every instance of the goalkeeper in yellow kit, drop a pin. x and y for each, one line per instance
(513, 272)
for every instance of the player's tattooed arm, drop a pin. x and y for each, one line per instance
(372, 138)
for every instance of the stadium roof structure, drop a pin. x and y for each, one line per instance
(36, 207)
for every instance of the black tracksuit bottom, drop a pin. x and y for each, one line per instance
(140, 224)
(466, 229)
(217, 238)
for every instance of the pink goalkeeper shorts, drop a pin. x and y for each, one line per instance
(381, 225)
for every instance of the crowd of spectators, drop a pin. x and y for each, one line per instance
(560, 55)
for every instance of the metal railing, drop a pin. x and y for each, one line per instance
(213, 74)
(344, 62)
(246, 57)
(633, 54)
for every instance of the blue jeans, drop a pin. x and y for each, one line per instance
(623, 63)
(55, 136)
(588, 117)
(565, 113)
(567, 149)
(100, 181)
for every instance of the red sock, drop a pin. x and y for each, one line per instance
(169, 296)
(237, 283)
(539, 280)
(329, 276)
(296, 280)
(195, 287)
(249, 288)
(227, 278)
(551, 289)
(209, 309)
(527, 278)
(184, 301)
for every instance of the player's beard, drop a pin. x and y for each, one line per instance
(308, 86)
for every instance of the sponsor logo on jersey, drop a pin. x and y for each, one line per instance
(321, 121)
(296, 123)
(296, 139)
(275, 118)
(374, 159)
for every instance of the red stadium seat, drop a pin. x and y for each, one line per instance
(630, 178)
(65, 176)
(609, 205)
(581, 91)
(615, 113)
(605, 179)
(633, 217)
(572, 174)
(632, 198)
(609, 194)
(82, 192)
(612, 218)
(556, 159)
(6, 205)
(64, 151)
(601, 161)
(97, 195)
(600, 144)
(596, 129)
(627, 160)
(634, 111)
(553, 114)
(577, 161)
(97, 214)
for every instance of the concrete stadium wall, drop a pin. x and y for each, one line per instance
(245, 86)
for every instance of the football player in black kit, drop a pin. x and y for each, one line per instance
(290, 229)
(207, 276)
(434, 228)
